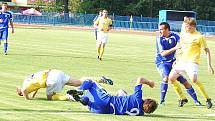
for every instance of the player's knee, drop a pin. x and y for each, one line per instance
(165, 79)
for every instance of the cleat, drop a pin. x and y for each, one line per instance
(182, 102)
(98, 57)
(209, 103)
(106, 80)
(70, 97)
(5, 53)
(198, 103)
(75, 94)
(162, 103)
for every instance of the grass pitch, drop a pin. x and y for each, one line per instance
(126, 57)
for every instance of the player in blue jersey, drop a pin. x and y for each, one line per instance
(166, 45)
(99, 101)
(5, 19)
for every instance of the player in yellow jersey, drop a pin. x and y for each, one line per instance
(103, 24)
(53, 80)
(191, 44)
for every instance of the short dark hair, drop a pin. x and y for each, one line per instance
(167, 26)
(4, 3)
(149, 105)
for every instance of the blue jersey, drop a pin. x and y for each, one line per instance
(99, 101)
(163, 43)
(128, 105)
(6, 17)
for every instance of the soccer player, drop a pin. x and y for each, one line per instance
(104, 24)
(53, 80)
(191, 44)
(97, 17)
(103, 103)
(5, 18)
(166, 45)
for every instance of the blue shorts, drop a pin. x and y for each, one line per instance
(164, 70)
(4, 35)
(97, 97)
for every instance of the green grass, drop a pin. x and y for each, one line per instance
(126, 57)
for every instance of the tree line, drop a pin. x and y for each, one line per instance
(148, 8)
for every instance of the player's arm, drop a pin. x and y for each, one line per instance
(26, 94)
(34, 93)
(208, 54)
(96, 23)
(110, 25)
(11, 24)
(142, 80)
(171, 50)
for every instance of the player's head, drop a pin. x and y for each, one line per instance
(164, 29)
(4, 6)
(104, 13)
(149, 105)
(190, 24)
(100, 12)
(18, 90)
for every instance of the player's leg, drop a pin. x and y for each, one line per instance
(192, 72)
(164, 71)
(189, 89)
(174, 74)
(55, 82)
(102, 79)
(5, 37)
(104, 37)
(102, 51)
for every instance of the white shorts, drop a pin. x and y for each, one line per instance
(102, 37)
(188, 68)
(55, 81)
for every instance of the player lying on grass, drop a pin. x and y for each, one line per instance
(99, 101)
(54, 81)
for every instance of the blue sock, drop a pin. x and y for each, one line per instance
(192, 93)
(5, 47)
(163, 90)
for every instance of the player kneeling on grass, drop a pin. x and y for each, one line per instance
(53, 80)
(99, 101)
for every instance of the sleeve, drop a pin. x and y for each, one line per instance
(11, 17)
(97, 21)
(177, 37)
(159, 44)
(138, 91)
(203, 42)
(110, 22)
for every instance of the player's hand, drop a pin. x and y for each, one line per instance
(211, 70)
(151, 83)
(12, 30)
(1, 20)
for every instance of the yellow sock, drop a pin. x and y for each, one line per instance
(98, 51)
(202, 90)
(59, 97)
(102, 52)
(178, 90)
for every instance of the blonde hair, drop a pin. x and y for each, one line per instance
(190, 21)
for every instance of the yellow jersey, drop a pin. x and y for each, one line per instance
(103, 23)
(191, 44)
(36, 81)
